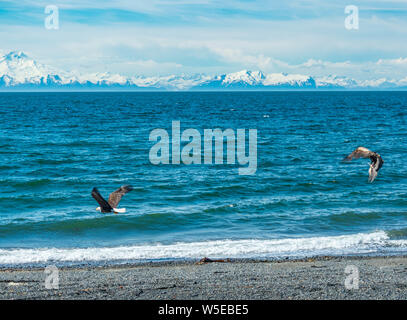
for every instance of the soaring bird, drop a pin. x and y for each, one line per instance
(114, 199)
(375, 158)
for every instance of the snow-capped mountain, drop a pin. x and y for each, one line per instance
(336, 82)
(289, 80)
(16, 68)
(257, 80)
(171, 82)
(19, 71)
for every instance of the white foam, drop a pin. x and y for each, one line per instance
(362, 243)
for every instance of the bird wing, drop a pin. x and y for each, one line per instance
(104, 205)
(116, 196)
(360, 152)
(372, 173)
(375, 165)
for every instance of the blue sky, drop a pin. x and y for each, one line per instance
(153, 37)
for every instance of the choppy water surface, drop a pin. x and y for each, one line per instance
(54, 147)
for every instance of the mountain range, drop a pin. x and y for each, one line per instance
(20, 72)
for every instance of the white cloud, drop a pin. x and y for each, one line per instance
(312, 63)
(245, 60)
(393, 62)
(137, 67)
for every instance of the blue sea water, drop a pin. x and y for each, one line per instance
(55, 147)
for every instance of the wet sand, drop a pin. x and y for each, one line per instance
(315, 278)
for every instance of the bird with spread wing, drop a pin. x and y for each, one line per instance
(375, 158)
(114, 199)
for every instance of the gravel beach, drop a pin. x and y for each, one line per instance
(314, 278)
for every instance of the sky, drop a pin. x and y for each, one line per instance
(161, 37)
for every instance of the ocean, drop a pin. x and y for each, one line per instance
(302, 200)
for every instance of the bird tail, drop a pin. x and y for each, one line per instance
(121, 210)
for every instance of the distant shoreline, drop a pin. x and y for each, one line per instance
(310, 278)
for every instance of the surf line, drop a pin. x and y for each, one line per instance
(191, 152)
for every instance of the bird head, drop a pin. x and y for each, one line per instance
(98, 209)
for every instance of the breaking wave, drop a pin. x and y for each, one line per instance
(362, 243)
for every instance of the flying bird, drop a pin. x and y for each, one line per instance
(114, 199)
(375, 158)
